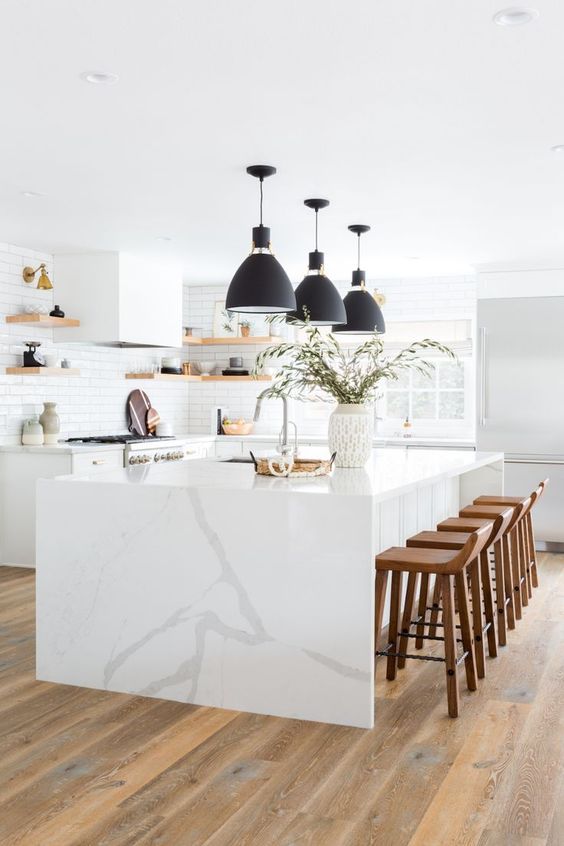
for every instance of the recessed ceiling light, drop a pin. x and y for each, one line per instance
(99, 77)
(515, 16)
(32, 194)
(163, 238)
(558, 148)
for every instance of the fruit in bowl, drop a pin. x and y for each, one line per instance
(236, 427)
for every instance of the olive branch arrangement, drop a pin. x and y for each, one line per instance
(317, 369)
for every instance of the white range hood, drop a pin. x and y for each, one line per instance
(120, 300)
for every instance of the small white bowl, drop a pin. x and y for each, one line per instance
(205, 367)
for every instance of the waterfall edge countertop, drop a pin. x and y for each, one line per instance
(200, 582)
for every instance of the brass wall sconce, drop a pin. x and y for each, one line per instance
(44, 282)
(379, 297)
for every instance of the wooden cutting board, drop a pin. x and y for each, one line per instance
(153, 417)
(138, 404)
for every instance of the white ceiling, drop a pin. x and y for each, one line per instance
(420, 117)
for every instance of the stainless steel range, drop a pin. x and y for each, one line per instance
(144, 450)
(156, 450)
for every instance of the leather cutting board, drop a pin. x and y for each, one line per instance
(138, 404)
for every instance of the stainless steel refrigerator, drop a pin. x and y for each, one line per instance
(520, 400)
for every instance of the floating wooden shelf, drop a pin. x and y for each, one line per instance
(164, 377)
(231, 342)
(42, 371)
(173, 377)
(42, 320)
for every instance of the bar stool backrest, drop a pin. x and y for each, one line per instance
(501, 523)
(536, 495)
(471, 549)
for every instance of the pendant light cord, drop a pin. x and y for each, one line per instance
(316, 213)
(358, 251)
(261, 201)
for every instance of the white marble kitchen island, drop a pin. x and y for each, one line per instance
(201, 582)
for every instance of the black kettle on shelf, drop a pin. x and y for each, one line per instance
(31, 356)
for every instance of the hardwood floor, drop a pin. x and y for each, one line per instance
(87, 768)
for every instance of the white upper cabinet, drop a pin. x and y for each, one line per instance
(506, 284)
(119, 299)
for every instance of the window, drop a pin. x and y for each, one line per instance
(442, 399)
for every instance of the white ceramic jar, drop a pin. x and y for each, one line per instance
(32, 432)
(351, 429)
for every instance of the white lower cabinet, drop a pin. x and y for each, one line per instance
(19, 472)
(522, 476)
(199, 450)
(91, 462)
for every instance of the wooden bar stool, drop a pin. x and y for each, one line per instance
(509, 555)
(480, 586)
(528, 535)
(450, 567)
(503, 593)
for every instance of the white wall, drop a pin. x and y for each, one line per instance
(92, 403)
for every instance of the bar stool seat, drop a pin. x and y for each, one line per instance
(480, 585)
(513, 560)
(499, 522)
(527, 532)
(462, 524)
(450, 568)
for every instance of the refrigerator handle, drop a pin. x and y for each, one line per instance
(483, 377)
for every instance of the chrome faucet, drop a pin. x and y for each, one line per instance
(283, 443)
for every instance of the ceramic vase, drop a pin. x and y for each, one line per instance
(32, 432)
(351, 429)
(50, 421)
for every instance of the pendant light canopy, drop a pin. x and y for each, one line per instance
(316, 296)
(261, 285)
(364, 316)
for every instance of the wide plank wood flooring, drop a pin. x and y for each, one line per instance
(88, 768)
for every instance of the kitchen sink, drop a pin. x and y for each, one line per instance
(238, 459)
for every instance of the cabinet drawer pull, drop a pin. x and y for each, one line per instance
(98, 461)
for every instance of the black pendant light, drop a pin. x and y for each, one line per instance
(261, 285)
(364, 316)
(316, 296)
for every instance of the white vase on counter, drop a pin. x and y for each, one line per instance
(351, 429)
(32, 432)
(50, 421)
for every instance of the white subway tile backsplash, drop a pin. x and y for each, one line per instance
(94, 402)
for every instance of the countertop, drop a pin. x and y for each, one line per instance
(388, 473)
(60, 448)
(63, 448)
(378, 440)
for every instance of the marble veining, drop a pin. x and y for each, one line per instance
(254, 597)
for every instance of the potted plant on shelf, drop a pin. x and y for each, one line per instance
(245, 327)
(318, 369)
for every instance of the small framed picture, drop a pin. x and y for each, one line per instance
(225, 323)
